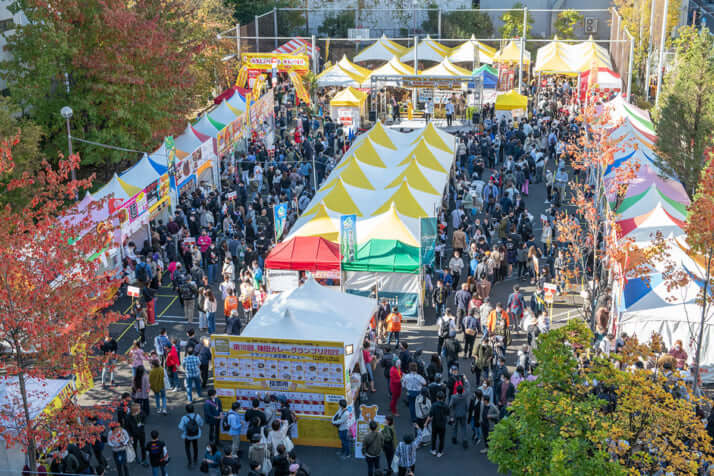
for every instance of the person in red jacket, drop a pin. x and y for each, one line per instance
(395, 387)
(172, 364)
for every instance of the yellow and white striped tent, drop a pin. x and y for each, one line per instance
(381, 50)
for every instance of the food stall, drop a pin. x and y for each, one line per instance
(300, 346)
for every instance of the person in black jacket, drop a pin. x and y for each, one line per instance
(281, 463)
(438, 417)
(473, 417)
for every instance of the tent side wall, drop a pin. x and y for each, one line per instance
(400, 289)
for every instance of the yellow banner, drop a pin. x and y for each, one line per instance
(299, 87)
(283, 62)
(242, 77)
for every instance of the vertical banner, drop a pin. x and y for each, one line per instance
(348, 237)
(280, 212)
(170, 146)
(427, 239)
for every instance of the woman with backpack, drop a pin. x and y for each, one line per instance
(259, 453)
(190, 428)
(140, 389)
(389, 435)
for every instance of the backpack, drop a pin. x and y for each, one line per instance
(444, 328)
(186, 292)
(459, 382)
(192, 428)
(225, 424)
(140, 272)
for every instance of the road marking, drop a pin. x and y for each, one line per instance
(167, 307)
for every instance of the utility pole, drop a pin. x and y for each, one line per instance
(523, 49)
(649, 50)
(275, 26)
(660, 66)
(257, 35)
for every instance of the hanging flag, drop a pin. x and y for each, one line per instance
(427, 238)
(348, 238)
(300, 90)
(242, 77)
(327, 48)
(280, 213)
(170, 147)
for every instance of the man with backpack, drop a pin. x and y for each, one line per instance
(444, 325)
(188, 292)
(456, 380)
(515, 306)
(190, 428)
(439, 296)
(471, 326)
(498, 322)
(143, 271)
(162, 344)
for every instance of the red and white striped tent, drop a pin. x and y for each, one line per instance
(603, 83)
(295, 46)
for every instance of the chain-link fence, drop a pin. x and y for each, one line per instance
(621, 51)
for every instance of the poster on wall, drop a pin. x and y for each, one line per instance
(262, 115)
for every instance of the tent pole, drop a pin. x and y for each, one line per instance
(523, 47)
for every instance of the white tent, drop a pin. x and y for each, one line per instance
(427, 50)
(205, 127)
(380, 50)
(314, 312)
(472, 51)
(142, 174)
(188, 141)
(116, 188)
(40, 394)
(446, 68)
(393, 67)
(343, 73)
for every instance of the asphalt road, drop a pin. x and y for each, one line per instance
(322, 461)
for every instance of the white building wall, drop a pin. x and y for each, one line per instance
(7, 21)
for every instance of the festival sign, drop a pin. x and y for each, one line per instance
(427, 233)
(283, 62)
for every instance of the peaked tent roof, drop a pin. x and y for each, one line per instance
(342, 73)
(349, 97)
(648, 201)
(379, 136)
(295, 46)
(385, 256)
(305, 253)
(116, 188)
(404, 202)
(425, 157)
(320, 224)
(352, 174)
(415, 178)
(386, 226)
(427, 50)
(381, 50)
(446, 68)
(554, 58)
(190, 140)
(222, 114)
(142, 174)
(339, 200)
(489, 76)
(207, 127)
(511, 53)
(434, 138)
(589, 55)
(644, 227)
(393, 67)
(472, 51)
(236, 104)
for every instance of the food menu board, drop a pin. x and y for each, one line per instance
(279, 365)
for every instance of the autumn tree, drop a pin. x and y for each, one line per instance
(565, 24)
(587, 414)
(684, 119)
(24, 153)
(131, 71)
(52, 301)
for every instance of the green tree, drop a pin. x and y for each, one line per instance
(458, 24)
(25, 152)
(630, 423)
(337, 25)
(565, 24)
(131, 71)
(684, 119)
(513, 22)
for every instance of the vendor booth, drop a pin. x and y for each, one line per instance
(599, 83)
(343, 73)
(427, 50)
(473, 53)
(511, 105)
(507, 60)
(290, 258)
(201, 158)
(348, 107)
(488, 75)
(381, 50)
(300, 346)
(44, 398)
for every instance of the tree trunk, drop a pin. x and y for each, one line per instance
(31, 450)
(700, 337)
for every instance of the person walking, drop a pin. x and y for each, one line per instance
(140, 389)
(488, 418)
(341, 421)
(188, 292)
(389, 435)
(212, 413)
(172, 364)
(444, 326)
(190, 428)
(458, 408)
(234, 427)
(158, 455)
(413, 383)
(118, 440)
(406, 455)
(439, 296)
(109, 349)
(156, 383)
(372, 446)
(438, 417)
(212, 460)
(192, 369)
(395, 386)
(394, 325)
(211, 307)
(471, 326)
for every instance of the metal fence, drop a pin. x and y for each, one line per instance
(622, 45)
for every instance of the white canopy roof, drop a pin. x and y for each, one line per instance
(39, 392)
(223, 113)
(116, 188)
(313, 312)
(342, 73)
(428, 50)
(380, 50)
(472, 51)
(392, 68)
(205, 127)
(142, 174)
(188, 141)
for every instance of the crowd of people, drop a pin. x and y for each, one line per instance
(212, 250)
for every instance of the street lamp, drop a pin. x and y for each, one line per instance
(67, 114)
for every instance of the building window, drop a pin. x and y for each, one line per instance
(6, 25)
